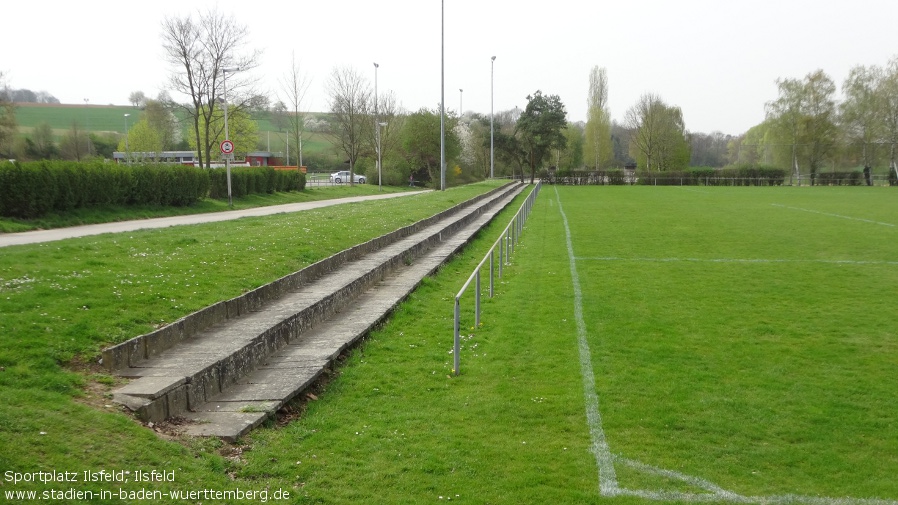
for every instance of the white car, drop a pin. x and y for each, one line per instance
(338, 177)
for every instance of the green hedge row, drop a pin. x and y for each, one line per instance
(855, 178)
(249, 180)
(737, 176)
(32, 189)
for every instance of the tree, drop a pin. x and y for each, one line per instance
(571, 157)
(243, 130)
(887, 90)
(40, 145)
(73, 145)
(709, 149)
(200, 51)
(163, 122)
(295, 84)
(137, 98)
(421, 143)
(540, 128)
(860, 113)
(820, 130)
(804, 116)
(141, 138)
(8, 126)
(597, 146)
(350, 98)
(657, 134)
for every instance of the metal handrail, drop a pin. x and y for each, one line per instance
(506, 242)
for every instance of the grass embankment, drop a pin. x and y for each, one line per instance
(66, 300)
(120, 213)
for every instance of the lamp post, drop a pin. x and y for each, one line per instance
(87, 124)
(442, 95)
(379, 162)
(127, 149)
(492, 71)
(224, 81)
(377, 128)
(460, 95)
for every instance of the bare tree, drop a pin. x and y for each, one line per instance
(643, 120)
(350, 97)
(200, 51)
(392, 118)
(657, 133)
(294, 85)
(137, 98)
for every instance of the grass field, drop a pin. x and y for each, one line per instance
(731, 345)
(741, 337)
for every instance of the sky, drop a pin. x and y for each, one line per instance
(718, 60)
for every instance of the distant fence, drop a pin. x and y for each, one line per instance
(505, 247)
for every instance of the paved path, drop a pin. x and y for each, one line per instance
(35, 237)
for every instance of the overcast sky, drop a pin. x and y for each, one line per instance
(716, 59)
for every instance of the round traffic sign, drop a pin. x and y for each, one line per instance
(227, 147)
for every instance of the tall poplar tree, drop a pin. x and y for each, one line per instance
(597, 147)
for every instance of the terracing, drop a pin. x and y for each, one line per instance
(230, 366)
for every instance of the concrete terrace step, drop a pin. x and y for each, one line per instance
(233, 374)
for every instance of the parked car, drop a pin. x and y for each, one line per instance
(338, 177)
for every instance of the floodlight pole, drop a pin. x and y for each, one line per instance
(492, 71)
(377, 128)
(442, 95)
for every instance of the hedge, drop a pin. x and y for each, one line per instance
(736, 176)
(855, 178)
(32, 189)
(249, 180)
(747, 175)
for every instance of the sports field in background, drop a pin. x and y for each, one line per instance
(737, 343)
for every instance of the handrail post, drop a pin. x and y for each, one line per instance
(456, 345)
(492, 253)
(501, 256)
(477, 301)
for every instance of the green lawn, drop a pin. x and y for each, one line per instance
(742, 336)
(737, 337)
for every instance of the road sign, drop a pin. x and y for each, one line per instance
(227, 147)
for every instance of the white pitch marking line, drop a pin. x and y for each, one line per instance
(600, 449)
(833, 215)
(734, 260)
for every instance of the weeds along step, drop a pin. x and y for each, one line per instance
(235, 370)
